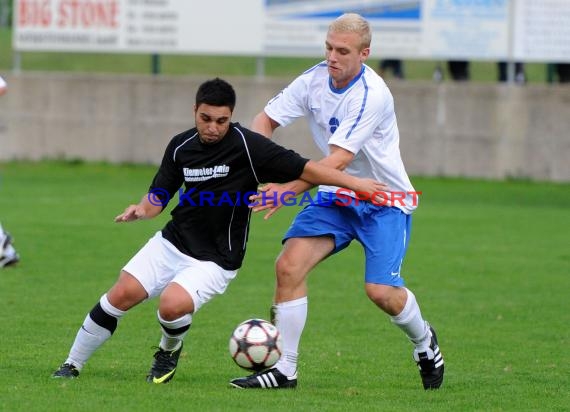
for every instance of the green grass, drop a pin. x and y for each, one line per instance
(488, 263)
(481, 71)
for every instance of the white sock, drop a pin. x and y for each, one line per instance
(92, 335)
(172, 341)
(7, 255)
(411, 322)
(9, 251)
(290, 318)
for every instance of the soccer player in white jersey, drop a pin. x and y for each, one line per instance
(352, 119)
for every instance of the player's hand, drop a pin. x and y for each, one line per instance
(270, 198)
(374, 191)
(133, 212)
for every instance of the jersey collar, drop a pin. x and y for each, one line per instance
(349, 85)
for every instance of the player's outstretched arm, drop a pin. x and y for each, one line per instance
(327, 168)
(144, 210)
(317, 173)
(326, 172)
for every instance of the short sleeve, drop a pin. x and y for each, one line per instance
(168, 178)
(272, 162)
(291, 103)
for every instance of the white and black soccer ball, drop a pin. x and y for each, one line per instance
(255, 345)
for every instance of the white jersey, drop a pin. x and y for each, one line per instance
(359, 118)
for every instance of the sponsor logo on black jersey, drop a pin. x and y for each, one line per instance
(205, 173)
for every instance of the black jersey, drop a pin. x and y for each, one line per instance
(211, 219)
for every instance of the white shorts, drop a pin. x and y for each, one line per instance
(158, 263)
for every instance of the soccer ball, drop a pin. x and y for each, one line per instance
(255, 345)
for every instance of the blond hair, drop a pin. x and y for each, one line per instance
(353, 23)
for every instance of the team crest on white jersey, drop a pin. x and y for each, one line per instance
(205, 173)
(334, 123)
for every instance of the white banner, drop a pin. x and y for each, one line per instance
(464, 30)
(523, 30)
(150, 26)
(299, 27)
(542, 30)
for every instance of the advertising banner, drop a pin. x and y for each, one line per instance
(153, 26)
(499, 30)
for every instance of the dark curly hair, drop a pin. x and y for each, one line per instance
(216, 92)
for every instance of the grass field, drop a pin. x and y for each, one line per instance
(489, 263)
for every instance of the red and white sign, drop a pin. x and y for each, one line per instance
(150, 26)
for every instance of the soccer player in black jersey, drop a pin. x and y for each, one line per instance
(195, 256)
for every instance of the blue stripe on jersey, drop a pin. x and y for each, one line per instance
(316, 66)
(361, 108)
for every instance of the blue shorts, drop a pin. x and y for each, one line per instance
(384, 232)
